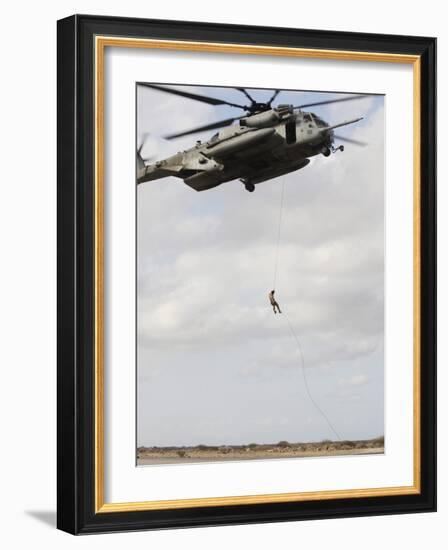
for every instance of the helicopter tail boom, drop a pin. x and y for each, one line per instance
(153, 172)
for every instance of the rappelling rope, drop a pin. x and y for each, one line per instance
(291, 328)
(305, 380)
(279, 233)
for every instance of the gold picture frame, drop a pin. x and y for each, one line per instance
(98, 34)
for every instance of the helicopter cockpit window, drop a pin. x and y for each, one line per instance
(320, 123)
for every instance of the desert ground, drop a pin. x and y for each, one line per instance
(283, 449)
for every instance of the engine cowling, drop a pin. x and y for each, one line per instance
(261, 120)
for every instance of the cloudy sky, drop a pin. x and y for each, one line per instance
(214, 364)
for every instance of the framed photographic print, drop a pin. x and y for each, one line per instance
(246, 274)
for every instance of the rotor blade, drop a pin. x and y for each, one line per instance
(349, 140)
(142, 142)
(211, 126)
(246, 93)
(340, 124)
(328, 101)
(275, 94)
(147, 159)
(189, 95)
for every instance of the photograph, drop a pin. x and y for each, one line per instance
(260, 267)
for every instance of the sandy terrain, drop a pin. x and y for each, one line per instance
(203, 453)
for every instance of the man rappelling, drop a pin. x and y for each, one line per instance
(273, 302)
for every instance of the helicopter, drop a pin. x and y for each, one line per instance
(267, 142)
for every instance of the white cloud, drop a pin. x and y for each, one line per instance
(354, 381)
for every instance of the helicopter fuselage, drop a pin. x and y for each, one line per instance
(261, 147)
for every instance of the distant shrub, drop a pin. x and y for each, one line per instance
(347, 443)
(283, 444)
(181, 453)
(253, 445)
(202, 447)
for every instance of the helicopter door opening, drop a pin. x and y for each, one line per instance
(291, 134)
